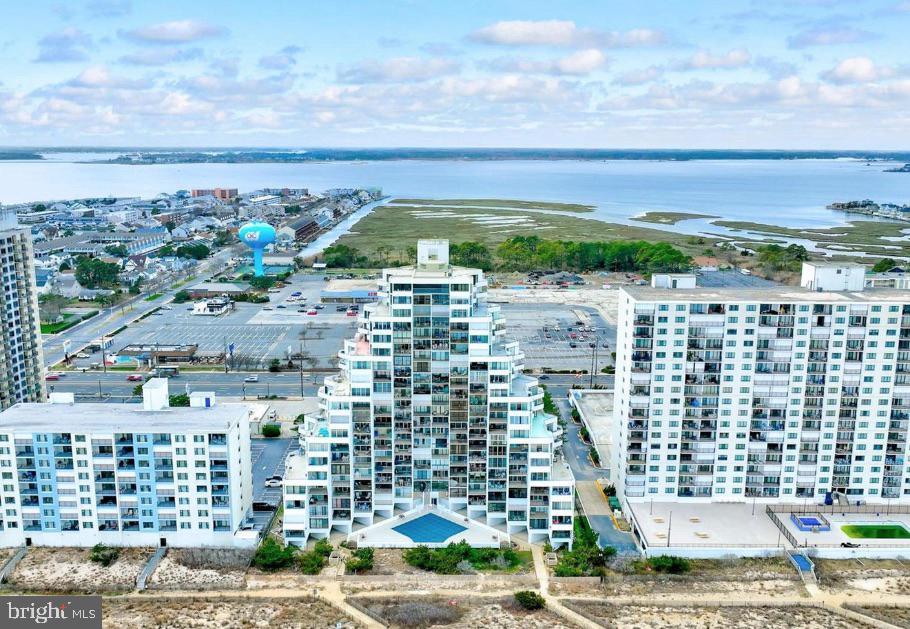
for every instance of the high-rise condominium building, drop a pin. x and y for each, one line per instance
(126, 475)
(21, 359)
(782, 394)
(430, 408)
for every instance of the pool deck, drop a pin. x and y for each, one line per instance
(382, 534)
(836, 536)
(707, 529)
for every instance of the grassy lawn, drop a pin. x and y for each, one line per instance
(153, 297)
(496, 203)
(669, 218)
(60, 326)
(875, 531)
(489, 227)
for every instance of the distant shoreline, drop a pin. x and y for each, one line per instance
(149, 156)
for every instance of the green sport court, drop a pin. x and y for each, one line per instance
(876, 531)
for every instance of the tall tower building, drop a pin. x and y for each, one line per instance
(21, 359)
(774, 394)
(430, 408)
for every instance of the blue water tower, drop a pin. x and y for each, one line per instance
(257, 236)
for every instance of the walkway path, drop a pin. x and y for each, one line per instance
(553, 603)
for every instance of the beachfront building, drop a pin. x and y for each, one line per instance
(126, 475)
(780, 395)
(21, 359)
(430, 410)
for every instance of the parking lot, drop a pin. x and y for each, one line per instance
(268, 457)
(545, 333)
(258, 332)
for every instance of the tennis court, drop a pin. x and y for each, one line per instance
(429, 529)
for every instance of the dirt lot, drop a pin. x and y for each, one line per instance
(416, 613)
(658, 617)
(662, 586)
(887, 576)
(899, 616)
(190, 569)
(222, 613)
(69, 569)
(750, 577)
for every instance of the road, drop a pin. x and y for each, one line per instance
(576, 453)
(115, 384)
(109, 319)
(283, 384)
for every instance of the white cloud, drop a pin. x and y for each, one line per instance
(398, 70)
(563, 33)
(282, 60)
(578, 63)
(828, 36)
(639, 77)
(100, 77)
(70, 44)
(161, 56)
(704, 60)
(857, 70)
(174, 32)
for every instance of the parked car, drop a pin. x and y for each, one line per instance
(543, 377)
(341, 308)
(573, 345)
(296, 293)
(248, 525)
(82, 355)
(281, 306)
(351, 313)
(312, 313)
(252, 378)
(318, 306)
(267, 308)
(135, 377)
(52, 376)
(260, 505)
(592, 345)
(273, 481)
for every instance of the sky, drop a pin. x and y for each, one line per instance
(787, 74)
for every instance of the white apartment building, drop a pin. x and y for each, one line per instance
(778, 395)
(21, 359)
(125, 475)
(430, 408)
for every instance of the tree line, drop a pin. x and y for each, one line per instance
(524, 253)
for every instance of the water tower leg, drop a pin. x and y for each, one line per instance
(257, 262)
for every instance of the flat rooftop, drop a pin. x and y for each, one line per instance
(350, 285)
(109, 418)
(701, 524)
(777, 293)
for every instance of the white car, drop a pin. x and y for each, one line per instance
(274, 481)
(251, 379)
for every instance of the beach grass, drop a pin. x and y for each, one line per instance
(497, 203)
(412, 223)
(670, 218)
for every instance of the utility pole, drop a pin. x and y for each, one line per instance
(593, 364)
(224, 339)
(103, 356)
(301, 369)
(669, 527)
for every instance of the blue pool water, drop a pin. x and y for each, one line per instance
(429, 529)
(810, 521)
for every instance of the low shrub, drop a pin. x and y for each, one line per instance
(458, 558)
(105, 555)
(361, 561)
(530, 600)
(272, 556)
(311, 562)
(670, 565)
(271, 430)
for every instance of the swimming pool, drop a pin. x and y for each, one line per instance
(815, 523)
(888, 530)
(429, 529)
